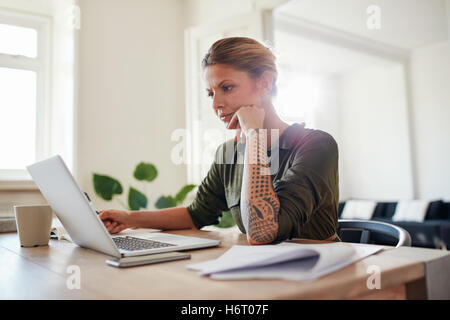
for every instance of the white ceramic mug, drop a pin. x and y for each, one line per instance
(33, 224)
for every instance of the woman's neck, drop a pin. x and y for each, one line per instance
(272, 121)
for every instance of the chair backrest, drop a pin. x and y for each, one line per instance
(368, 226)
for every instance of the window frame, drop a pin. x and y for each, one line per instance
(42, 66)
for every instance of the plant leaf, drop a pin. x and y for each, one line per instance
(165, 202)
(145, 171)
(105, 187)
(136, 199)
(226, 221)
(179, 198)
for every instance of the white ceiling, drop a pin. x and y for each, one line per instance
(318, 57)
(405, 24)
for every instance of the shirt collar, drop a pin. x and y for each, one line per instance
(290, 135)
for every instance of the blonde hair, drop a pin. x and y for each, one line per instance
(245, 54)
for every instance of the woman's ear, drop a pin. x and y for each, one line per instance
(265, 82)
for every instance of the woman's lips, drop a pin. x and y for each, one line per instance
(226, 117)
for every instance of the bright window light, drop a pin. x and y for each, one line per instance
(16, 40)
(17, 118)
(297, 95)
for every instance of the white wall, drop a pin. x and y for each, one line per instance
(208, 11)
(326, 116)
(63, 79)
(430, 83)
(430, 76)
(404, 23)
(362, 104)
(131, 92)
(429, 106)
(326, 112)
(447, 6)
(374, 141)
(108, 50)
(44, 7)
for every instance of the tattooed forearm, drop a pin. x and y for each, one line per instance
(260, 205)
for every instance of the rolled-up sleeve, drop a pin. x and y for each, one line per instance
(310, 182)
(210, 201)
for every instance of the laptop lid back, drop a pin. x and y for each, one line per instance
(71, 206)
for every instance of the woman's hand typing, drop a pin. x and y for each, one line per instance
(116, 220)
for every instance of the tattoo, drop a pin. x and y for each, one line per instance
(260, 205)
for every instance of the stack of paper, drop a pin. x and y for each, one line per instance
(286, 261)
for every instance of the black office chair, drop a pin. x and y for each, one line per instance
(368, 227)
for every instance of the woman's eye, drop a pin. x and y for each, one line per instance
(210, 94)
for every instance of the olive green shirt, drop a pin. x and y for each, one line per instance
(306, 183)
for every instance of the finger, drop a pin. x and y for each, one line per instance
(238, 132)
(238, 135)
(108, 224)
(103, 215)
(112, 231)
(233, 121)
(242, 137)
(118, 228)
(111, 228)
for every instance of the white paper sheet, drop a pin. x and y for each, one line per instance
(284, 261)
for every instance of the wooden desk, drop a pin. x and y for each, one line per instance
(41, 273)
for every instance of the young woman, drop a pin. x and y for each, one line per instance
(299, 200)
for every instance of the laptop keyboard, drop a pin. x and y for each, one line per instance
(133, 244)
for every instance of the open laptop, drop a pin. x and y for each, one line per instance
(80, 218)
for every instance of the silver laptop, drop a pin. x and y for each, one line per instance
(79, 217)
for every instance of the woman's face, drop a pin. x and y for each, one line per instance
(230, 89)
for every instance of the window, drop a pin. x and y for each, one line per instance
(17, 117)
(24, 92)
(18, 41)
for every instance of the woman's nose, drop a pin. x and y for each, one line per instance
(218, 110)
(217, 106)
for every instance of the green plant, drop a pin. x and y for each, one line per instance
(226, 221)
(108, 188)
